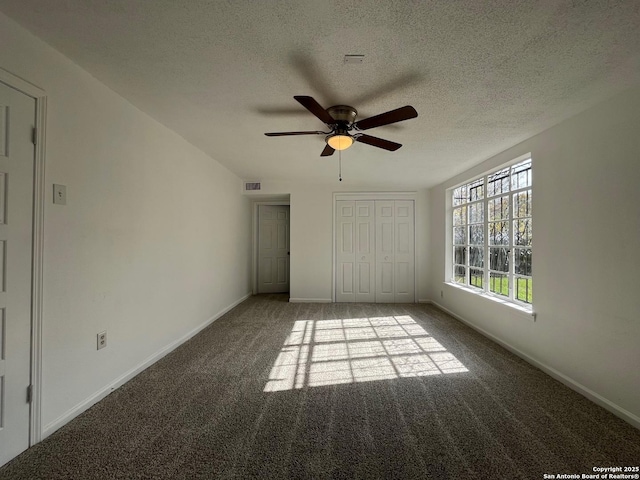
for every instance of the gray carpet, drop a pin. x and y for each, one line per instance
(352, 391)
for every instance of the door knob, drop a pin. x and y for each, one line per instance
(362, 258)
(386, 258)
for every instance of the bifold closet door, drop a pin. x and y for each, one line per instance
(384, 251)
(345, 251)
(365, 252)
(375, 251)
(404, 252)
(395, 251)
(355, 266)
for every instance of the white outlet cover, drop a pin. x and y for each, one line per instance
(102, 339)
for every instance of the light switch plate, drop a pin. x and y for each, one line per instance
(59, 194)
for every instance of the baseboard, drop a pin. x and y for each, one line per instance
(100, 394)
(561, 377)
(422, 300)
(310, 300)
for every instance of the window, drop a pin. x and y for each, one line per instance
(492, 233)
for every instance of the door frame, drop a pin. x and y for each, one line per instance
(255, 224)
(337, 196)
(39, 95)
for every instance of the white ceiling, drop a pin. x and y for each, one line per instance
(483, 75)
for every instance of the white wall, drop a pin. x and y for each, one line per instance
(586, 197)
(154, 241)
(312, 236)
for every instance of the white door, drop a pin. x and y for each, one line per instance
(345, 251)
(365, 254)
(273, 248)
(355, 251)
(17, 116)
(404, 274)
(375, 251)
(385, 227)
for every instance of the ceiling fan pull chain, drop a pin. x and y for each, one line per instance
(340, 163)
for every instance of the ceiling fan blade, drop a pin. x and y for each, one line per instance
(284, 134)
(393, 116)
(314, 107)
(378, 142)
(328, 151)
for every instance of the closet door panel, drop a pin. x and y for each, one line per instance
(404, 252)
(365, 252)
(345, 251)
(385, 227)
(375, 251)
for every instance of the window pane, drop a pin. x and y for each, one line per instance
(476, 257)
(476, 236)
(499, 283)
(460, 274)
(460, 216)
(522, 204)
(522, 261)
(522, 232)
(524, 289)
(521, 175)
(476, 277)
(476, 190)
(499, 233)
(460, 255)
(499, 259)
(492, 232)
(460, 195)
(499, 209)
(476, 213)
(498, 183)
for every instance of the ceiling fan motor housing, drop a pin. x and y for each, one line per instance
(343, 114)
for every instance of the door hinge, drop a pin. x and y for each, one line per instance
(34, 138)
(29, 393)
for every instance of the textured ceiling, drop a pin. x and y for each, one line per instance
(483, 75)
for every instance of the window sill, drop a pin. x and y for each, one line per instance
(526, 312)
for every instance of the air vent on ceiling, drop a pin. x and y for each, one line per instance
(251, 186)
(351, 58)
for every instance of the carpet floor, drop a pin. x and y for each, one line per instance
(329, 391)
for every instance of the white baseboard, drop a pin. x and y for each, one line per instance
(422, 300)
(124, 378)
(310, 300)
(607, 404)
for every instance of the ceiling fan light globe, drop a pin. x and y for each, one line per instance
(340, 142)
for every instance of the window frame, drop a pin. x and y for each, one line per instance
(456, 251)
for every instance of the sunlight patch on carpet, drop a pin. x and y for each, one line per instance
(331, 352)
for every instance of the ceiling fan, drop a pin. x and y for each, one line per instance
(344, 130)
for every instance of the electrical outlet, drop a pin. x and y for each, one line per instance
(102, 340)
(441, 293)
